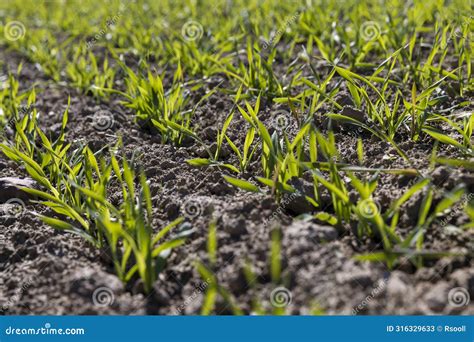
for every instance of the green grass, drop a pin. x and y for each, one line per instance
(76, 188)
(406, 67)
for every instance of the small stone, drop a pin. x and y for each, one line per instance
(10, 188)
(396, 286)
(357, 277)
(19, 237)
(138, 287)
(344, 99)
(426, 274)
(296, 202)
(463, 278)
(32, 252)
(167, 164)
(168, 177)
(220, 104)
(354, 113)
(436, 298)
(160, 295)
(325, 233)
(5, 254)
(440, 175)
(172, 210)
(225, 152)
(311, 231)
(213, 148)
(238, 284)
(210, 133)
(20, 253)
(86, 281)
(235, 226)
(202, 152)
(468, 179)
(220, 188)
(470, 283)
(404, 180)
(268, 203)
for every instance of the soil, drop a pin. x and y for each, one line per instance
(44, 271)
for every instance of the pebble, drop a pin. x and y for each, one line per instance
(10, 188)
(437, 297)
(396, 286)
(354, 113)
(312, 231)
(235, 226)
(87, 280)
